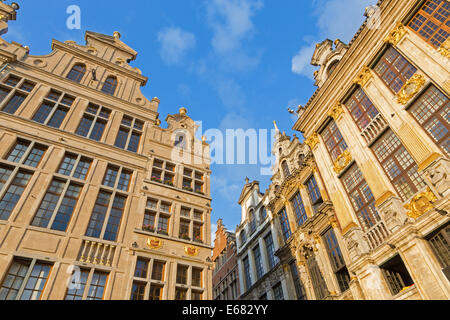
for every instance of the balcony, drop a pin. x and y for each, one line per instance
(374, 129)
(97, 253)
(377, 234)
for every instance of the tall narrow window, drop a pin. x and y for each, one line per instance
(286, 170)
(248, 279)
(285, 227)
(54, 109)
(278, 292)
(144, 278)
(318, 282)
(337, 260)
(130, 133)
(398, 165)
(299, 209)
(440, 243)
(298, 285)
(270, 247)
(258, 262)
(396, 274)
(27, 153)
(432, 111)
(432, 22)
(333, 140)
(182, 273)
(252, 221)
(58, 205)
(361, 108)
(14, 90)
(110, 85)
(394, 69)
(314, 193)
(197, 277)
(77, 73)
(94, 122)
(13, 194)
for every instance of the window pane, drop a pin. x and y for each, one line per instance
(98, 215)
(110, 85)
(35, 156)
(138, 291)
(285, 224)
(299, 209)
(156, 293)
(48, 205)
(134, 142)
(5, 173)
(43, 112)
(57, 118)
(67, 165)
(13, 194)
(19, 150)
(97, 131)
(36, 282)
(77, 73)
(14, 103)
(67, 208)
(97, 287)
(85, 126)
(82, 169)
(158, 271)
(122, 137)
(115, 217)
(182, 274)
(111, 177)
(141, 268)
(124, 180)
(14, 280)
(76, 293)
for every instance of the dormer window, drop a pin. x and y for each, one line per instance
(77, 72)
(180, 141)
(286, 170)
(110, 85)
(331, 68)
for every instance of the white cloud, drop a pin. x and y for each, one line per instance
(213, 232)
(174, 44)
(301, 63)
(230, 93)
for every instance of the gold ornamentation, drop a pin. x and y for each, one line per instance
(384, 198)
(336, 111)
(411, 88)
(421, 204)
(396, 34)
(342, 161)
(363, 77)
(154, 243)
(445, 48)
(313, 140)
(191, 251)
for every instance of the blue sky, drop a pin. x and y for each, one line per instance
(231, 63)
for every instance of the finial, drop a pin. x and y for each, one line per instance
(247, 180)
(204, 138)
(117, 35)
(183, 111)
(275, 124)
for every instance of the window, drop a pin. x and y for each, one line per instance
(58, 205)
(248, 279)
(286, 171)
(110, 209)
(361, 108)
(184, 229)
(318, 282)
(431, 23)
(252, 221)
(94, 122)
(258, 262)
(25, 280)
(432, 111)
(163, 172)
(298, 285)
(270, 247)
(314, 193)
(193, 181)
(394, 69)
(182, 272)
(196, 296)
(262, 214)
(77, 294)
(285, 227)
(117, 178)
(243, 236)
(278, 292)
(54, 109)
(130, 133)
(180, 140)
(11, 196)
(143, 279)
(75, 166)
(180, 294)
(197, 231)
(185, 225)
(396, 274)
(361, 197)
(77, 73)
(398, 164)
(16, 90)
(333, 140)
(299, 209)
(27, 153)
(440, 243)
(337, 260)
(157, 210)
(110, 85)
(197, 277)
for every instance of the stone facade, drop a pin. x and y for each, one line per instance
(381, 154)
(92, 185)
(226, 274)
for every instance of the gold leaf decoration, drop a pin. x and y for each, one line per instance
(421, 204)
(154, 243)
(445, 48)
(342, 161)
(191, 251)
(410, 88)
(396, 34)
(313, 140)
(363, 77)
(336, 111)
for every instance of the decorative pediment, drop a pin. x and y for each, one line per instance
(327, 58)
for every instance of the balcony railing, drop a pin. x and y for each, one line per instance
(377, 234)
(375, 127)
(97, 253)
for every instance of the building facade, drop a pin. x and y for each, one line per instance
(378, 129)
(260, 272)
(225, 278)
(97, 200)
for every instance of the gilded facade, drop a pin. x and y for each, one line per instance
(97, 200)
(378, 130)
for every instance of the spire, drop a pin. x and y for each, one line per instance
(276, 127)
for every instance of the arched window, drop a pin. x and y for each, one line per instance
(110, 85)
(285, 168)
(77, 72)
(331, 68)
(263, 214)
(180, 141)
(252, 220)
